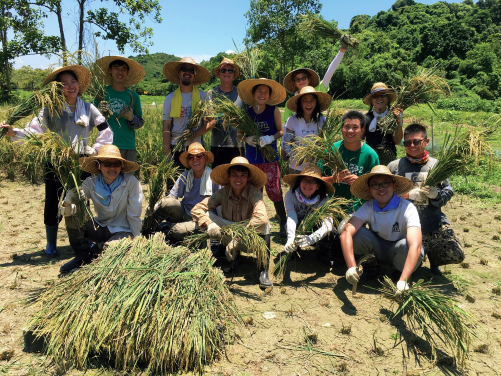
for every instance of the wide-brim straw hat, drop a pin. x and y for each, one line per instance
(380, 87)
(89, 164)
(229, 62)
(360, 187)
(313, 171)
(195, 148)
(171, 71)
(82, 73)
(136, 70)
(220, 174)
(324, 99)
(289, 84)
(277, 96)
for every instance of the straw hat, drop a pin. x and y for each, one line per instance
(324, 99)
(220, 174)
(380, 87)
(313, 171)
(277, 96)
(82, 73)
(195, 148)
(229, 62)
(136, 70)
(89, 164)
(171, 71)
(289, 84)
(360, 188)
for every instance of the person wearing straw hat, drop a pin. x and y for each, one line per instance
(379, 100)
(240, 199)
(121, 104)
(262, 95)
(307, 120)
(440, 243)
(308, 192)
(393, 235)
(117, 198)
(74, 124)
(192, 186)
(179, 105)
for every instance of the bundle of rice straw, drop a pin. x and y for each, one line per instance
(313, 23)
(50, 97)
(334, 209)
(333, 120)
(241, 120)
(248, 60)
(141, 303)
(436, 315)
(239, 231)
(424, 87)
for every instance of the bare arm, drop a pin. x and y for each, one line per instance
(278, 123)
(351, 228)
(398, 134)
(414, 241)
(166, 135)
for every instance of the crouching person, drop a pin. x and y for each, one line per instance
(117, 197)
(394, 233)
(192, 187)
(240, 199)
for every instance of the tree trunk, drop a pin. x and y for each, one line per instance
(61, 32)
(4, 45)
(81, 4)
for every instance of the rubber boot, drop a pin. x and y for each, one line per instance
(51, 233)
(435, 269)
(280, 209)
(264, 280)
(79, 243)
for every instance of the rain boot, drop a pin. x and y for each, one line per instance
(264, 280)
(280, 209)
(79, 243)
(51, 233)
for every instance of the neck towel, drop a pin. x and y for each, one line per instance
(307, 201)
(205, 184)
(423, 160)
(104, 190)
(393, 204)
(81, 115)
(373, 125)
(177, 102)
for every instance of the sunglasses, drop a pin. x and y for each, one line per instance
(109, 164)
(412, 142)
(198, 156)
(187, 70)
(299, 79)
(224, 70)
(385, 184)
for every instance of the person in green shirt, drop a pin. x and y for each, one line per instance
(121, 106)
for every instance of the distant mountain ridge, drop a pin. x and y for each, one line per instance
(153, 64)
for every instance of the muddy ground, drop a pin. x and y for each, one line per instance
(354, 336)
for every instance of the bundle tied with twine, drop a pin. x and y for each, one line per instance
(49, 97)
(240, 119)
(423, 88)
(140, 303)
(313, 23)
(334, 210)
(437, 316)
(240, 231)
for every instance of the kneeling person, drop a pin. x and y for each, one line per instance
(240, 199)
(394, 233)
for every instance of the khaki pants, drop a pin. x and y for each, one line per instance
(171, 210)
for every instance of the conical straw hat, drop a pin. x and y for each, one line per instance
(380, 87)
(89, 164)
(220, 174)
(277, 96)
(313, 171)
(195, 148)
(324, 99)
(289, 85)
(82, 73)
(136, 70)
(171, 71)
(229, 62)
(360, 187)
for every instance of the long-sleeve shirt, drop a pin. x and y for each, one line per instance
(249, 206)
(124, 211)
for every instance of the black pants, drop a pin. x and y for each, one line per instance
(224, 155)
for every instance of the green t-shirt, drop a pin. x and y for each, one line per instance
(124, 136)
(358, 162)
(288, 113)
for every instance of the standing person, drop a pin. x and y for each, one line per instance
(74, 125)
(263, 95)
(123, 105)
(440, 243)
(379, 100)
(307, 120)
(179, 105)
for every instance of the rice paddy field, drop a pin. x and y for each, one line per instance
(309, 323)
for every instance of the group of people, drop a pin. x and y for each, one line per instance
(392, 216)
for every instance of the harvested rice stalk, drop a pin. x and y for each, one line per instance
(333, 120)
(437, 316)
(98, 82)
(313, 23)
(248, 60)
(314, 148)
(240, 231)
(141, 302)
(425, 87)
(334, 208)
(476, 141)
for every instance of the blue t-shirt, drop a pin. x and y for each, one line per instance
(266, 123)
(193, 197)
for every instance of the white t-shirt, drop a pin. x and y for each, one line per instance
(179, 124)
(391, 225)
(302, 129)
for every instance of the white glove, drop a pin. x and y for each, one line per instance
(266, 140)
(231, 250)
(290, 246)
(214, 231)
(148, 212)
(304, 241)
(430, 192)
(68, 210)
(251, 140)
(415, 194)
(401, 287)
(307, 240)
(72, 196)
(353, 275)
(90, 151)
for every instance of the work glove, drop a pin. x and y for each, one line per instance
(251, 140)
(72, 196)
(416, 194)
(266, 140)
(399, 114)
(90, 151)
(188, 134)
(214, 231)
(231, 250)
(430, 192)
(353, 275)
(304, 241)
(127, 113)
(104, 109)
(68, 210)
(343, 43)
(148, 212)
(290, 246)
(401, 287)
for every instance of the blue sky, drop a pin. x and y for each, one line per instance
(201, 29)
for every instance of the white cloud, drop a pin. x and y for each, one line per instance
(35, 61)
(230, 52)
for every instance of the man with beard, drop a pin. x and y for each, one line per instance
(179, 105)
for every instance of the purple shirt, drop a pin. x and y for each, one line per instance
(266, 123)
